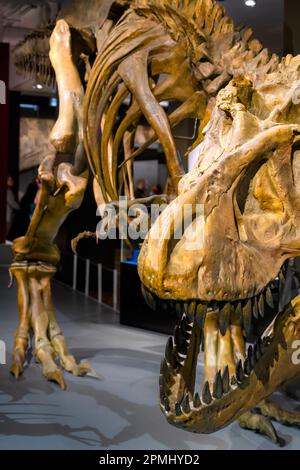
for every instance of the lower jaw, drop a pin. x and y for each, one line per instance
(208, 406)
(194, 407)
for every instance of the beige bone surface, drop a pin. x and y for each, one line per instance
(68, 128)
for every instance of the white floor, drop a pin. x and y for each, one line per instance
(118, 412)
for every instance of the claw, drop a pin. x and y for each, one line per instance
(83, 368)
(16, 369)
(19, 354)
(45, 355)
(56, 376)
(262, 425)
(68, 361)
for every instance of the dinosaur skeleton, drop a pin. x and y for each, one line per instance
(246, 177)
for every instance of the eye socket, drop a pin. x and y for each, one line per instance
(257, 192)
(245, 188)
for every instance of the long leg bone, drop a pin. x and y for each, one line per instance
(35, 254)
(33, 278)
(68, 127)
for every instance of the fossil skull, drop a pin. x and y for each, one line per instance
(246, 179)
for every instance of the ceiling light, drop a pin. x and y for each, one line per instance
(250, 3)
(39, 86)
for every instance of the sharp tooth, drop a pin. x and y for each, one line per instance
(201, 314)
(218, 387)
(178, 409)
(226, 380)
(191, 310)
(185, 328)
(206, 395)
(255, 308)
(247, 367)
(224, 318)
(169, 351)
(269, 298)
(261, 305)
(247, 317)
(239, 371)
(197, 401)
(183, 319)
(166, 404)
(250, 356)
(180, 341)
(185, 406)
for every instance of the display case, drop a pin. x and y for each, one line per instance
(134, 310)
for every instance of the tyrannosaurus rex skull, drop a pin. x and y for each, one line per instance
(247, 181)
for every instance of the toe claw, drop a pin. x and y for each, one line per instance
(262, 425)
(83, 368)
(56, 376)
(16, 370)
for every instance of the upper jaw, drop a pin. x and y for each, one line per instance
(226, 270)
(206, 286)
(245, 310)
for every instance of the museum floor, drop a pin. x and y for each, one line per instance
(118, 412)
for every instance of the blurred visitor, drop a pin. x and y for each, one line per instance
(156, 189)
(140, 190)
(11, 203)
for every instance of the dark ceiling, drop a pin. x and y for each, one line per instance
(266, 20)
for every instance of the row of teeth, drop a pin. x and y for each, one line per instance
(243, 310)
(36, 67)
(175, 355)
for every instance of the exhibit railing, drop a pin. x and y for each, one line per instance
(91, 279)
